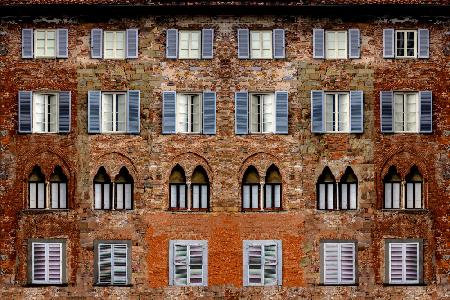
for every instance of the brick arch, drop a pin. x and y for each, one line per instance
(261, 161)
(47, 160)
(189, 161)
(404, 161)
(113, 162)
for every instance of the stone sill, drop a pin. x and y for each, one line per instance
(45, 211)
(406, 211)
(36, 285)
(112, 285)
(404, 284)
(339, 285)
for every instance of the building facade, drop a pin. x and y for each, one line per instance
(238, 150)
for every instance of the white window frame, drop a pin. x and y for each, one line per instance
(190, 49)
(337, 113)
(260, 47)
(46, 96)
(336, 49)
(404, 94)
(419, 259)
(46, 43)
(252, 97)
(405, 51)
(112, 244)
(246, 265)
(190, 97)
(61, 261)
(114, 112)
(172, 263)
(323, 257)
(115, 44)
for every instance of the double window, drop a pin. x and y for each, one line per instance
(262, 113)
(188, 263)
(46, 261)
(338, 262)
(337, 108)
(252, 187)
(45, 43)
(114, 44)
(189, 113)
(47, 195)
(193, 196)
(189, 44)
(112, 262)
(400, 193)
(45, 112)
(336, 44)
(114, 112)
(404, 261)
(261, 44)
(332, 196)
(113, 196)
(406, 43)
(406, 112)
(262, 262)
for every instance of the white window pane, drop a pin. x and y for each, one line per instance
(329, 112)
(321, 196)
(396, 194)
(195, 113)
(98, 196)
(182, 113)
(418, 195)
(52, 113)
(195, 40)
(410, 195)
(41, 195)
(182, 196)
(277, 196)
(246, 196)
(398, 112)
(268, 197)
(256, 44)
(121, 112)
(107, 112)
(106, 197)
(255, 196)
(195, 196)
(330, 196)
(353, 195)
(128, 196)
(387, 195)
(39, 113)
(119, 196)
(343, 112)
(344, 196)
(54, 194)
(204, 196)
(32, 195)
(255, 113)
(173, 196)
(63, 194)
(268, 113)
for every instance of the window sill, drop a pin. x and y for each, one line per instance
(113, 210)
(112, 285)
(257, 210)
(44, 211)
(174, 210)
(404, 284)
(35, 285)
(337, 284)
(406, 210)
(338, 210)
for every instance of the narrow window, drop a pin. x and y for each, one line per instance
(404, 262)
(188, 263)
(36, 189)
(338, 262)
(406, 112)
(114, 112)
(44, 43)
(414, 190)
(392, 189)
(337, 112)
(261, 44)
(123, 190)
(272, 188)
(250, 189)
(262, 263)
(58, 189)
(189, 44)
(348, 190)
(178, 189)
(113, 262)
(336, 44)
(45, 112)
(326, 194)
(199, 189)
(262, 113)
(189, 113)
(114, 44)
(102, 190)
(406, 43)
(47, 262)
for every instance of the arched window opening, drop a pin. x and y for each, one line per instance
(102, 190)
(250, 189)
(414, 189)
(272, 188)
(178, 190)
(58, 189)
(348, 190)
(123, 190)
(326, 190)
(199, 189)
(392, 189)
(36, 189)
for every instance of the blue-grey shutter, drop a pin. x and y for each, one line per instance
(354, 43)
(426, 111)
(207, 43)
(27, 43)
(318, 43)
(25, 111)
(388, 43)
(169, 112)
(94, 111)
(132, 43)
(356, 112)
(281, 112)
(317, 112)
(172, 43)
(243, 43)
(133, 120)
(279, 43)
(97, 43)
(241, 112)
(62, 43)
(386, 111)
(423, 37)
(64, 111)
(209, 112)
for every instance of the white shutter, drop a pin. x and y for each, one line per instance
(347, 263)
(331, 263)
(270, 264)
(255, 275)
(39, 263)
(195, 264)
(46, 263)
(54, 262)
(411, 252)
(120, 254)
(395, 263)
(180, 264)
(104, 263)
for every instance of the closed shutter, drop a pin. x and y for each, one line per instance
(209, 112)
(404, 263)
(120, 264)
(317, 112)
(113, 264)
(104, 263)
(94, 111)
(96, 43)
(354, 43)
(386, 111)
(243, 43)
(279, 43)
(134, 99)
(132, 43)
(207, 43)
(168, 118)
(171, 43)
(46, 263)
(331, 263)
(270, 264)
(241, 112)
(62, 43)
(395, 263)
(388, 43)
(27, 43)
(180, 262)
(347, 263)
(196, 253)
(356, 112)
(39, 262)
(318, 43)
(281, 112)
(426, 111)
(262, 263)
(64, 111)
(254, 264)
(54, 262)
(411, 252)
(25, 111)
(339, 263)
(423, 37)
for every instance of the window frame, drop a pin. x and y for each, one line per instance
(37, 195)
(190, 113)
(405, 32)
(97, 244)
(30, 261)
(59, 194)
(178, 196)
(200, 198)
(246, 264)
(190, 43)
(261, 41)
(259, 196)
(260, 113)
(336, 43)
(335, 113)
(46, 113)
(272, 195)
(124, 197)
(420, 260)
(114, 41)
(414, 194)
(335, 201)
(35, 39)
(188, 244)
(355, 261)
(417, 106)
(114, 112)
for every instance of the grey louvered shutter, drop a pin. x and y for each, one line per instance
(281, 112)
(388, 43)
(354, 43)
(426, 111)
(119, 270)
(25, 111)
(423, 38)
(97, 43)
(279, 43)
(207, 43)
(356, 111)
(169, 112)
(241, 112)
(27, 43)
(133, 120)
(386, 111)
(209, 112)
(104, 263)
(318, 43)
(317, 112)
(347, 263)
(39, 262)
(132, 43)
(62, 43)
(172, 43)
(253, 253)
(243, 43)
(94, 111)
(54, 262)
(64, 111)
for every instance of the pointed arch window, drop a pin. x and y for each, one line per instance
(123, 190)
(178, 189)
(348, 190)
(326, 190)
(392, 189)
(199, 189)
(36, 189)
(272, 188)
(414, 184)
(58, 189)
(251, 189)
(102, 190)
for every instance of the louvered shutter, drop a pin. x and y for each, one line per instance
(241, 112)
(180, 264)
(331, 263)
(243, 43)
(54, 262)
(254, 265)
(426, 111)
(196, 253)
(388, 43)
(169, 112)
(38, 263)
(317, 112)
(347, 263)
(120, 254)
(411, 253)
(354, 43)
(96, 43)
(270, 264)
(209, 112)
(94, 111)
(133, 120)
(281, 112)
(27, 43)
(423, 37)
(172, 43)
(207, 43)
(62, 42)
(25, 111)
(318, 43)
(132, 37)
(356, 112)
(279, 43)
(105, 263)
(64, 111)
(395, 263)
(386, 111)
(46, 263)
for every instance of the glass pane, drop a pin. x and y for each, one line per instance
(353, 194)
(268, 196)
(246, 196)
(204, 196)
(128, 196)
(321, 196)
(195, 113)
(121, 112)
(52, 113)
(107, 112)
(54, 194)
(256, 44)
(343, 112)
(119, 196)
(400, 44)
(39, 113)
(32, 195)
(411, 42)
(277, 196)
(396, 195)
(329, 112)
(255, 113)
(195, 196)
(344, 196)
(410, 195)
(418, 195)
(330, 44)
(330, 196)
(255, 196)
(97, 196)
(63, 195)
(106, 197)
(268, 109)
(411, 112)
(387, 195)
(182, 113)
(41, 195)
(182, 196)
(398, 112)
(173, 196)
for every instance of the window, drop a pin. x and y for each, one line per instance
(199, 189)
(337, 112)
(414, 183)
(45, 112)
(406, 112)
(112, 262)
(262, 115)
(114, 44)
(42, 195)
(348, 190)
(189, 113)
(326, 194)
(190, 42)
(102, 190)
(404, 261)
(188, 263)
(250, 189)
(123, 192)
(392, 189)
(114, 112)
(262, 263)
(261, 44)
(336, 44)
(36, 189)
(272, 188)
(46, 261)
(178, 189)
(403, 194)
(406, 43)
(44, 43)
(338, 262)
(58, 189)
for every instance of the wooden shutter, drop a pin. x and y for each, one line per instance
(54, 262)
(133, 119)
(331, 263)
(423, 38)
(62, 43)
(172, 43)
(279, 43)
(388, 43)
(169, 112)
(25, 111)
(180, 264)
(209, 112)
(281, 112)
(356, 112)
(94, 111)
(354, 43)
(104, 263)
(386, 111)
(318, 43)
(411, 253)
(38, 263)
(347, 263)
(207, 43)
(196, 255)
(119, 261)
(317, 112)
(132, 37)
(254, 264)
(426, 111)
(404, 262)
(339, 263)
(97, 43)
(64, 111)
(270, 264)
(46, 263)
(243, 43)
(27, 43)
(241, 112)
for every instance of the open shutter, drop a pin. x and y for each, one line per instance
(317, 112)
(172, 43)
(253, 264)
(64, 111)
(134, 99)
(96, 43)
(120, 263)
(279, 43)
(356, 112)
(25, 111)
(38, 265)
(209, 112)
(426, 111)
(132, 43)
(62, 42)
(196, 256)
(386, 110)
(388, 43)
(241, 112)
(347, 263)
(207, 43)
(423, 37)
(243, 43)
(104, 263)
(354, 43)
(318, 43)
(169, 119)
(180, 264)
(94, 111)
(281, 112)
(27, 43)
(54, 263)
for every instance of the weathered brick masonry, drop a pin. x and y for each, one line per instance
(150, 157)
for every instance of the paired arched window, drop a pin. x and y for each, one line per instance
(194, 196)
(51, 195)
(199, 189)
(250, 189)
(121, 190)
(400, 193)
(58, 188)
(333, 196)
(348, 190)
(272, 188)
(252, 186)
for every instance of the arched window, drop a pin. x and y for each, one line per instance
(178, 190)
(36, 189)
(123, 190)
(58, 189)
(200, 189)
(348, 190)
(392, 189)
(326, 190)
(102, 190)
(250, 189)
(272, 188)
(414, 183)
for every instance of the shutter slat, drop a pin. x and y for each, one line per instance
(317, 112)
(207, 43)
(388, 43)
(426, 111)
(243, 43)
(347, 263)
(423, 37)
(172, 43)
(331, 256)
(386, 111)
(169, 119)
(27, 43)
(132, 43)
(282, 121)
(96, 43)
(354, 43)
(94, 111)
(64, 111)
(134, 99)
(120, 253)
(209, 112)
(105, 266)
(241, 112)
(318, 43)
(25, 111)
(356, 112)
(279, 43)
(62, 43)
